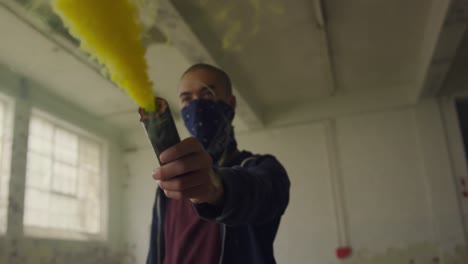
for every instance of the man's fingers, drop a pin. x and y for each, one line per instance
(184, 148)
(182, 166)
(185, 182)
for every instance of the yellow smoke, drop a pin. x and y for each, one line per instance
(110, 31)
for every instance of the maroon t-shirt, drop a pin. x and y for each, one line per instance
(189, 239)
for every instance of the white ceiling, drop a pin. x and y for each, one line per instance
(280, 54)
(275, 50)
(376, 44)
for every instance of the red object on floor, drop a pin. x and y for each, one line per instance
(465, 194)
(343, 252)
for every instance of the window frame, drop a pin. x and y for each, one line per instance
(50, 233)
(6, 147)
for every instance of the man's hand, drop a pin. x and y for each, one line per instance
(188, 173)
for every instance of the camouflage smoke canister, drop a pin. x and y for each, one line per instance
(160, 127)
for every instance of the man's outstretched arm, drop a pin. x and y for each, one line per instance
(254, 194)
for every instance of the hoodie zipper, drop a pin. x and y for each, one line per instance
(223, 242)
(158, 238)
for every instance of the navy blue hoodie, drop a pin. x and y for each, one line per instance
(256, 194)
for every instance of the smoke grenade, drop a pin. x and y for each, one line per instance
(160, 127)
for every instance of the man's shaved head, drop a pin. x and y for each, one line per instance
(223, 76)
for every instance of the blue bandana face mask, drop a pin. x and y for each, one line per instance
(210, 122)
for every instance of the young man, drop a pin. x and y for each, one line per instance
(214, 204)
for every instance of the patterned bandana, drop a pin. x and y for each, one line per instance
(210, 122)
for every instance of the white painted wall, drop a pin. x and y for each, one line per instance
(398, 188)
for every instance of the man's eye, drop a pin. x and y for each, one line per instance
(208, 94)
(185, 99)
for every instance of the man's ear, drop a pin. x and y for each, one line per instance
(232, 101)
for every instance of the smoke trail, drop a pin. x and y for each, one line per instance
(110, 31)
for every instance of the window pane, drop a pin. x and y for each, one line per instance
(64, 180)
(38, 171)
(89, 183)
(36, 204)
(90, 158)
(64, 213)
(40, 145)
(92, 216)
(89, 191)
(41, 129)
(65, 146)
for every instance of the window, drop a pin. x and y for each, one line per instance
(5, 158)
(64, 195)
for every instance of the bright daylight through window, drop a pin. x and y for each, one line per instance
(64, 181)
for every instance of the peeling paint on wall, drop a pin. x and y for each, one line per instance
(29, 251)
(423, 253)
(23, 250)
